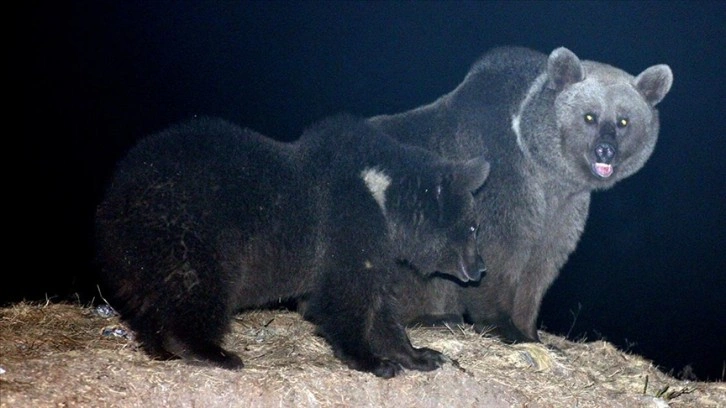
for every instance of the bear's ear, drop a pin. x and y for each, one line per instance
(456, 179)
(471, 174)
(563, 68)
(654, 83)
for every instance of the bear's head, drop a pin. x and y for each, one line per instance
(605, 118)
(430, 215)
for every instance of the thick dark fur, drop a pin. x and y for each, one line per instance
(206, 219)
(554, 129)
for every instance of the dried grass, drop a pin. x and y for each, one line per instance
(56, 355)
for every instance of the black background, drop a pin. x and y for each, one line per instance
(91, 78)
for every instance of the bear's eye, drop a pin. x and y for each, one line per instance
(590, 118)
(623, 122)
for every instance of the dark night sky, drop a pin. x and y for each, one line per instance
(93, 77)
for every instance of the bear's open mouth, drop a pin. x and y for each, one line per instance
(602, 170)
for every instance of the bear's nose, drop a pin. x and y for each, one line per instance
(604, 152)
(481, 267)
(474, 271)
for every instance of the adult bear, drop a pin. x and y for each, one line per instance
(554, 129)
(205, 219)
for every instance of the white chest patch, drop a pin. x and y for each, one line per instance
(515, 128)
(534, 89)
(377, 182)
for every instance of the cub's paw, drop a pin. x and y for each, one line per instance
(424, 359)
(387, 369)
(381, 367)
(229, 361)
(202, 353)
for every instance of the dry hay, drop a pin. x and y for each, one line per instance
(63, 355)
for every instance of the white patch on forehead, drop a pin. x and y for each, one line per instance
(377, 182)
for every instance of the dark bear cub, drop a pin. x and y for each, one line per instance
(206, 219)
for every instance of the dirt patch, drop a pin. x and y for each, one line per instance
(64, 355)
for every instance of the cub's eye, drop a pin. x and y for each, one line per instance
(623, 122)
(590, 118)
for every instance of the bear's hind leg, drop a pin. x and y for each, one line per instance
(197, 326)
(196, 322)
(194, 335)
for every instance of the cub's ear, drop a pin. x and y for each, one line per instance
(459, 178)
(654, 83)
(471, 174)
(563, 68)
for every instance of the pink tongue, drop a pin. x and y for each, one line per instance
(604, 170)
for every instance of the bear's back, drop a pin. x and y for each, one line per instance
(227, 203)
(499, 79)
(214, 161)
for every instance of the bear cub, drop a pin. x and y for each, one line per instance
(206, 219)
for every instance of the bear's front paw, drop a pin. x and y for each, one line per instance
(424, 359)
(387, 369)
